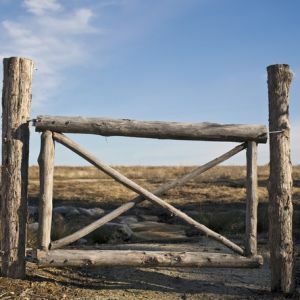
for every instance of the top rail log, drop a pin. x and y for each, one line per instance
(153, 129)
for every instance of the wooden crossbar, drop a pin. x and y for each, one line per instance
(140, 190)
(153, 129)
(133, 258)
(127, 206)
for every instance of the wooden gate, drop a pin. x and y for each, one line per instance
(53, 127)
(16, 102)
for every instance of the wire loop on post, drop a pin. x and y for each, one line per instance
(276, 131)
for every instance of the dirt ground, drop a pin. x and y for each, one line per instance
(221, 189)
(143, 283)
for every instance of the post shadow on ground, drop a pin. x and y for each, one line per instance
(218, 282)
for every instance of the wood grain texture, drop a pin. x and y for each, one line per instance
(153, 129)
(141, 191)
(280, 181)
(130, 258)
(251, 201)
(46, 165)
(161, 190)
(16, 101)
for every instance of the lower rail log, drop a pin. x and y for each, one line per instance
(117, 258)
(140, 190)
(127, 206)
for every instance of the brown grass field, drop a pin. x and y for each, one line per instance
(216, 198)
(88, 186)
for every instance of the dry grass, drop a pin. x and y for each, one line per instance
(216, 198)
(223, 184)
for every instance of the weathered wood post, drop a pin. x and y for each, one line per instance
(16, 101)
(252, 200)
(280, 181)
(46, 164)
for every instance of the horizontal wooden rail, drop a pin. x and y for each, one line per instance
(117, 258)
(154, 129)
(161, 190)
(62, 139)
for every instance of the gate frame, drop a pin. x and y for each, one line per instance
(48, 253)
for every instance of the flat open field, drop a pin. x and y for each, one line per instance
(216, 198)
(88, 186)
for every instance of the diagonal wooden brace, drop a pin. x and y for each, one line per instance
(140, 190)
(127, 206)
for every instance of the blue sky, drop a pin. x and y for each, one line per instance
(177, 60)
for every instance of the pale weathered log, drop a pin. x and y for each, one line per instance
(140, 190)
(16, 101)
(161, 190)
(46, 164)
(154, 129)
(280, 181)
(252, 200)
(131, 258)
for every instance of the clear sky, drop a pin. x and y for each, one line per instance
(173, 60)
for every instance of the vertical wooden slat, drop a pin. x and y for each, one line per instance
(46, 163)
(16, 101)
(252, 200)
(280, 181)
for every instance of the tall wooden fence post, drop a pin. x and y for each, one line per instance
(280, 181)
(16, 101)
